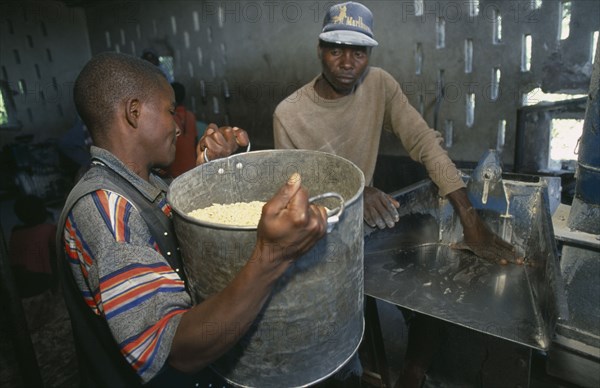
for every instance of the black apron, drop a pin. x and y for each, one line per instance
(101, 363)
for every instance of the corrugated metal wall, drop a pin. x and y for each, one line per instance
(238, 59)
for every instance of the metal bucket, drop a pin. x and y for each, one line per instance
(313, 321)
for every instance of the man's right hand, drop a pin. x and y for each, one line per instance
(289, 225)
(379, 208)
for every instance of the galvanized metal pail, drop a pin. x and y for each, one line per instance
(313, 321)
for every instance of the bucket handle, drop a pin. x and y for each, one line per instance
(206, 153)
(333, 216)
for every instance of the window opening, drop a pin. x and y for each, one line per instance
(468, 55)
(418, 58)
(501, 135)
(565, 20)
(497, 23)
(495, 87)
(448, 133)
(526, 53)
(440, 33)
(564, 136)
(470, 110)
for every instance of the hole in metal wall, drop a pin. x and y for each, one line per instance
(473, 8)
(3, 111)
(564, 24)
(122, 33)
(209, 35)
(419, 7)
(501, 135)
(495, 86)
(173, 25)
(200, 56)
(186, 39)
(117, 48)
(226, 93)
(215, 105)
(221, 16)
(468, 55)
(4, 73)
(166, 63)
(44, 29)
(421, 104)
(440, 33)
(223, 54)
(196, 21)
(594, 46)
(418, 58)
(22, 86)
(17, 56)
(49, 55)
(29, 41)
(470, 109)
(37, 71)
(497, 24)
(191, 69)
(535, 4)
(108, 40)
(526, 53)
(448, 133)
(564, 138)
(133, 48)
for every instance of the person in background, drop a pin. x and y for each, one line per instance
(185, 155)
(133, 320)
(32, 248)
(151, 56)
(343, 111)
(75, 145)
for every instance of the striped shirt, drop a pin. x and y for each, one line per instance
(124, 278)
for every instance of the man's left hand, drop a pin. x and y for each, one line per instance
(220, 142)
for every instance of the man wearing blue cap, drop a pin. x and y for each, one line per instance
(344, 110)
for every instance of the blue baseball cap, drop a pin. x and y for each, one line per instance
(348, 23)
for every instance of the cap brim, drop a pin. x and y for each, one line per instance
(348, 37)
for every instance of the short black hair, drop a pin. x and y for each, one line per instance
(107, 80)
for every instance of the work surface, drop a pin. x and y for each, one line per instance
(452, 285)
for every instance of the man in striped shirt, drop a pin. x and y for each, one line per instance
(132, 317)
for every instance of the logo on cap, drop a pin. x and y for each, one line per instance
(343, 18)
(348, 23)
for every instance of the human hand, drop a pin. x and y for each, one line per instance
(479, 239)
(219, 142)
(289, 225)
(379, 208)
(477, 236)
